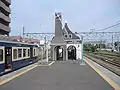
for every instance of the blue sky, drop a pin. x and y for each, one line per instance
(81, 15)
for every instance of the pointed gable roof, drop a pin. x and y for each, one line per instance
(58, 38)
(70, 32)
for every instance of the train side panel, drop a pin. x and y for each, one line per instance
(21, 55)
(2, 68)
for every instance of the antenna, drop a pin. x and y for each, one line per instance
(65, 21)
(23, 31)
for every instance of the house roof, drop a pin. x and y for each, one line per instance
(19, 38)
(16, 37)
(6, 38)
(67, 31)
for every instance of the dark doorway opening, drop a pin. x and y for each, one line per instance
(59, 53)
(8, 58)
(71, 52)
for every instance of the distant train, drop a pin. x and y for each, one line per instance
(14, 55)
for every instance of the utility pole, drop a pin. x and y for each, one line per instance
(47, 52)
(100, 44)
(112, 44)
(119, 42)
(46, 49)
(82, 63)
(23, 32)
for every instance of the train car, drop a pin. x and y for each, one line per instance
(15, 55)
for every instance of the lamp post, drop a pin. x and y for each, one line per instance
(47, 52)
(82, 63)
(42, 53)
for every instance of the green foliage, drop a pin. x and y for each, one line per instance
(86, 48)
(90, 48)
(93, 48)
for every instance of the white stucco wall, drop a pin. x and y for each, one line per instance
(78, 50)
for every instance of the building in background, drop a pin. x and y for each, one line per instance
(95, 42)
(5, 17)
(27, 40)
(65, 45)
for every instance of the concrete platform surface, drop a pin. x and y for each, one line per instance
(109, 76)
(59, 76)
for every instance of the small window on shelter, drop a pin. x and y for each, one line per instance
(65, 35)
(70, 35)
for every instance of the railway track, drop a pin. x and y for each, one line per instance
(110, 63)
(111, 60)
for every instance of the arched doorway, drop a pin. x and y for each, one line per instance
(59, 53)
(71, 52)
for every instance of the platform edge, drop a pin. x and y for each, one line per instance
(112, 83)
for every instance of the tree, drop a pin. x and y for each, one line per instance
(93, 48)
(90, 47)
(86, 47)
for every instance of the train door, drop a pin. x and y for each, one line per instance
(31, 52)
(8, 58)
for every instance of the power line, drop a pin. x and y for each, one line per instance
(108, 27)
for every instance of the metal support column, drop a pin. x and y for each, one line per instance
(82, 63)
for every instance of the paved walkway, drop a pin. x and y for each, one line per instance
(59, 76)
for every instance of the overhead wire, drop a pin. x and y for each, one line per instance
(108, 27)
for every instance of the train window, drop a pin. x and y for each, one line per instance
(28, 52)
(24, 52)
(34, 52)
(14, 53)
(19, 53)
(1, 55)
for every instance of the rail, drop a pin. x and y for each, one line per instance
(111, 64)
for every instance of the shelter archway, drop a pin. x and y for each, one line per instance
(71, 52)
(58, 53)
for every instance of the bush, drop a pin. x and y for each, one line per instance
(90, 48)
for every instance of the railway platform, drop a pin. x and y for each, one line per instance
(61, 75)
